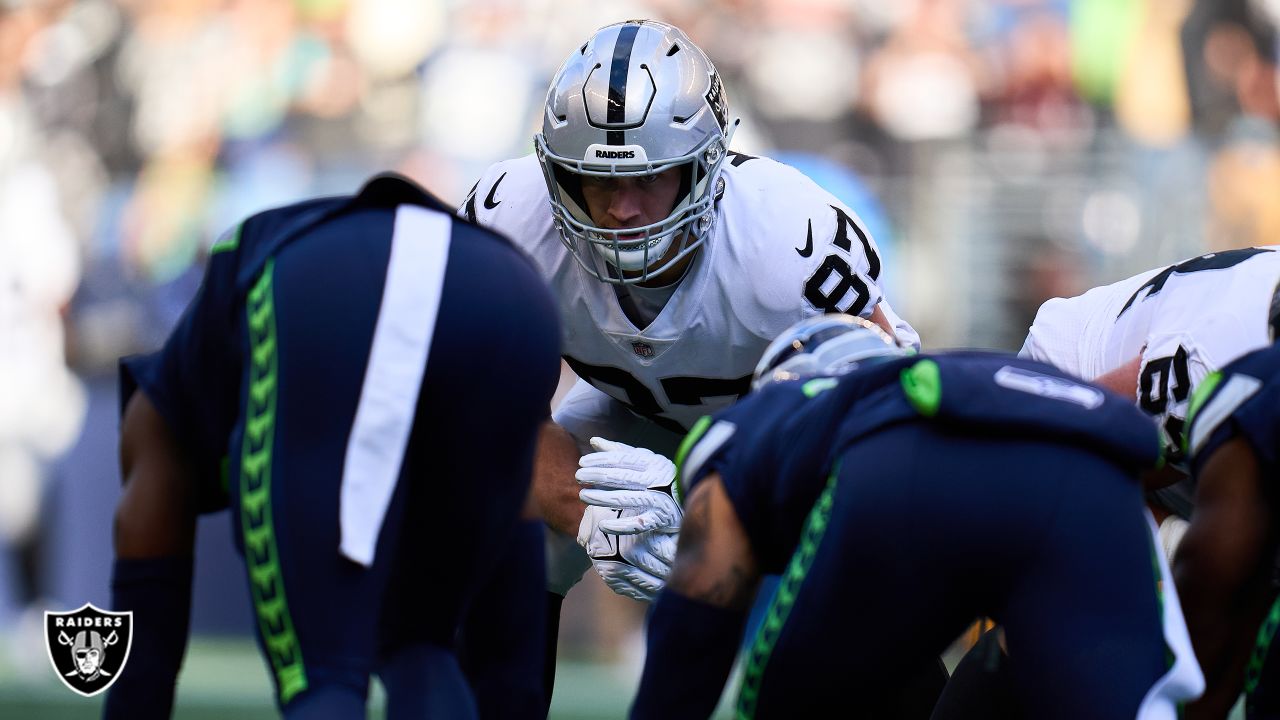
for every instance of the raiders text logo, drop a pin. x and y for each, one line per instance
(88, 647)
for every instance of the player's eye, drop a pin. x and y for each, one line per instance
(595, 182)
(647, 179)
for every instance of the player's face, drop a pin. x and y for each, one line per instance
(627, 202)
(87, 661)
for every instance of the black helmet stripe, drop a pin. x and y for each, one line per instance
(617, 114)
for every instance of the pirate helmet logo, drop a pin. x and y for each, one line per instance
(88, 647)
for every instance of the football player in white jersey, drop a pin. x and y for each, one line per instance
(1152, 337)
(1156, 335)
(675, 262)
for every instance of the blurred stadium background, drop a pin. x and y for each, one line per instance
(1003, 152)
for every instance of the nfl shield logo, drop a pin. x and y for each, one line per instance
(88, 647)
(643, 349)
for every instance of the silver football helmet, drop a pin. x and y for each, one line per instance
(825, 345)
(636, 99)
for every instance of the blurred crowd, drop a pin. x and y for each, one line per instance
(1004, 151)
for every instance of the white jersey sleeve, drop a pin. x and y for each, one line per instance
(1072, 334)
(1183, 321)
(511, 198)
(803, 250)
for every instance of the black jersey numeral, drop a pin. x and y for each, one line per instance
(696, 390)
(848, 284)
(1165, 381)
(679, 390)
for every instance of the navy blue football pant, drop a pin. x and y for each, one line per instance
(926, 532)
(325, 623)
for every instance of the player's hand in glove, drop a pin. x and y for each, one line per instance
(635, 480)
(635, 566)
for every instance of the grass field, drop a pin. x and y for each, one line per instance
(227, 679)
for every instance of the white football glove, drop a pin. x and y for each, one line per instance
(633, 565)
(634, 479)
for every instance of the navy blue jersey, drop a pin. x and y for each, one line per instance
(776, 449)
(1241, 400)
(331, 357)
(195, 380)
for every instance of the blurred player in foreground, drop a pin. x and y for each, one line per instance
(1225, 567)
(674, 262)
(902, 496)
(321, 367)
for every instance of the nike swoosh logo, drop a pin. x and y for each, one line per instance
(489, 203)
(808, 243)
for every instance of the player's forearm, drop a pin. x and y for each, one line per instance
(156, 514)
(1223, 615)
(554, 490)
(1223, 571)
(1223, 685)
(158, 593)
(1122, 380)
(151, 577)
(714, 564)
(879, 318)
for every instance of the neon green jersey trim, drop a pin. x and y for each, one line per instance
(261, 553)
(695, 434)
(785, 598)
(1198, 399)
(227, 242)
(922, 384)
(1261, 646)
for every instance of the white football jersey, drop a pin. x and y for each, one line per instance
(781, 249)
(1186, 321)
